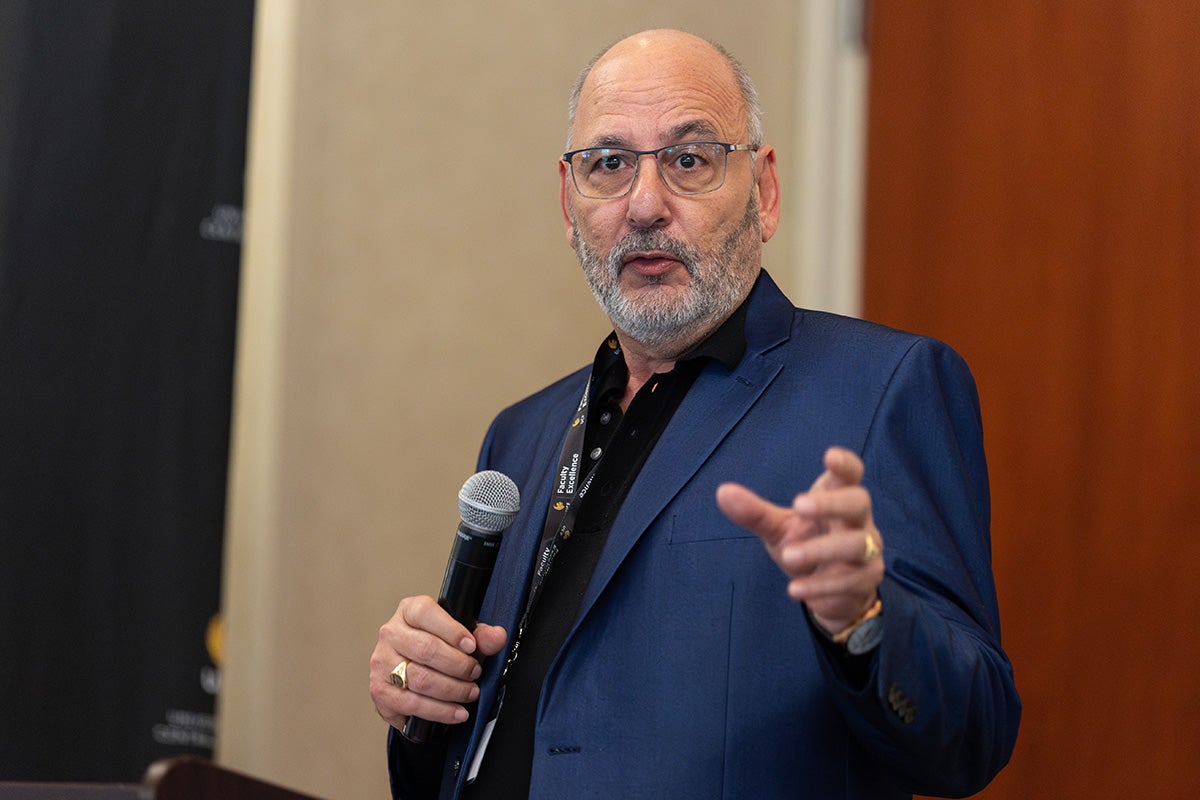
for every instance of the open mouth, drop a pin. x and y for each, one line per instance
(651, 263)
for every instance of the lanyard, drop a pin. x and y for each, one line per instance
(568, 492)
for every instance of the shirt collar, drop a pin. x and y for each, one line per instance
(725, 345)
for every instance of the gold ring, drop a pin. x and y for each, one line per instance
(399, 675)
(872, 549)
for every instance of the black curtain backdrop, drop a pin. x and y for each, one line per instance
(122, 150)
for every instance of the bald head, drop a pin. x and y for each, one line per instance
(668, 55)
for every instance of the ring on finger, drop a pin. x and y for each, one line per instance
(871, 550)
(399, 675)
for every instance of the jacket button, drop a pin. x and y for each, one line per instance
(905, 709)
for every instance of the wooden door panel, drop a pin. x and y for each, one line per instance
(1034, 199)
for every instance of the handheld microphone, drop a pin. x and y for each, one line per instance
(487, 504)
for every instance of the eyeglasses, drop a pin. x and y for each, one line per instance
(606, 173)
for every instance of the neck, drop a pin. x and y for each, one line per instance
(643, 360)
(640, 371)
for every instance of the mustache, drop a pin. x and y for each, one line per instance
(639, 240)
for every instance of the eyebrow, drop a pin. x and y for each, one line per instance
(693, 130)
(697, 127)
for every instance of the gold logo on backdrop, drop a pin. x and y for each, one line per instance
(214, 640)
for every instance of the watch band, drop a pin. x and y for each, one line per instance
(873, 611)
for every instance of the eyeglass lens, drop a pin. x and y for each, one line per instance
(689, 168)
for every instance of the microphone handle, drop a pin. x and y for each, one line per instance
(472, 558)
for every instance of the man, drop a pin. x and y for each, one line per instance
(642, 641)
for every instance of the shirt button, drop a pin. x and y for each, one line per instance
(596, 454)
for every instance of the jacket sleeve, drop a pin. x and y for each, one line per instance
(938, 703)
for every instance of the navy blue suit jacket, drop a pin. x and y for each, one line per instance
(689, 673)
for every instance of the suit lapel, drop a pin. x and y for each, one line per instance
(714, 405)
(515, 565)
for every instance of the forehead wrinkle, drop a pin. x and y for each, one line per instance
(617, 101)
(692, 131)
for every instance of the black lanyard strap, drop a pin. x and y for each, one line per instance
(568, 492)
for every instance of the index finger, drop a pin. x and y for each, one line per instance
(426, 615)
(422, 632)
(842, 468)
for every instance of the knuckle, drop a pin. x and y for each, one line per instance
(412, 608)
(388, 631)
(378, 663)
(425, 650)
(418, 679)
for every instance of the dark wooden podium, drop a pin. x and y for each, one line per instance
(184, 778)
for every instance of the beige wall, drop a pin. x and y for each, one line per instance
(399, 288)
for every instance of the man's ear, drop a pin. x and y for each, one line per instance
(767, 182)
(564, 199)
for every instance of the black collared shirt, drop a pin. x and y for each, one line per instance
(620, 442)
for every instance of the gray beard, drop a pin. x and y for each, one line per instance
(719, 282)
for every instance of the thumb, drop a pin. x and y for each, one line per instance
(490, 639)
(747, 510)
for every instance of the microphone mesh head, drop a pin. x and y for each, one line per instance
(489, 501)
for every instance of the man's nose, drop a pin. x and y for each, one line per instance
(649, 195)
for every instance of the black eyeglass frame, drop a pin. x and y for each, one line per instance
(637, 161)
